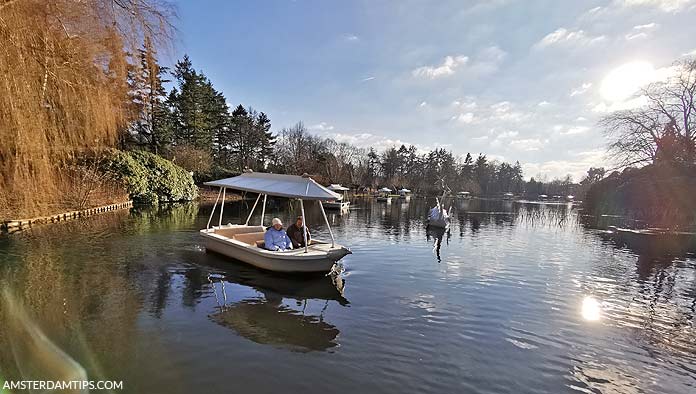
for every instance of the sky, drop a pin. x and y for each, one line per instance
(517, 80)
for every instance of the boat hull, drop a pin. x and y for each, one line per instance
(320, 258)
(344, 206)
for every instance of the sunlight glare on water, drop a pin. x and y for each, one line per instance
(591, 309)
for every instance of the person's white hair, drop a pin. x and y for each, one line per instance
(276, 221)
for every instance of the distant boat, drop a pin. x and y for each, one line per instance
(543, 197)
(405, 194)
(384, 195)
(463, 195)
(570, 198)
(245, 242)
(342, 203)
(508, 196)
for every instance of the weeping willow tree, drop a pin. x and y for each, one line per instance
(63, 88)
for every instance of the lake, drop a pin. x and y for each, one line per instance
(515, 298)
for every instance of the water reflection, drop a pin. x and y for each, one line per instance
(267, 320)
(523, 296)
(591, 310)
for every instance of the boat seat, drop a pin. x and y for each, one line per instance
(231, 232)
(249, 238)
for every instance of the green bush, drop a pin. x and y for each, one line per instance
(150, 178)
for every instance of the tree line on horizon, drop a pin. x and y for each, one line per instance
(193, 126)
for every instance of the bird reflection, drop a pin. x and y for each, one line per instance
(437, 234)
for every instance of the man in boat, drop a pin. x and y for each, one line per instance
(296, 233)
(275, 238)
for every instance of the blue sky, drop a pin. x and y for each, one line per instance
(514, 79)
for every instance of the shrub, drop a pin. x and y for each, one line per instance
(150, 178)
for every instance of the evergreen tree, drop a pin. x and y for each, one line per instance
(199, 112)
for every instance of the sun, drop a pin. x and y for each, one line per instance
(624, 81)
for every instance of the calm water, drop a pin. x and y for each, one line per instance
(516, 298)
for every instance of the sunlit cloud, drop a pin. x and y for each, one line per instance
(664, 5)
(581, 89)
(624, 81)
(367, 79)
(323, 126)
(565, 37)
(447, 67)
(527, 144)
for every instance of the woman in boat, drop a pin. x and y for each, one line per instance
(296, 233)
(275, 238)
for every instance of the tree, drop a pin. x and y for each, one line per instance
(199, 112)
(594, 175)
(152, 126)
(661, 130)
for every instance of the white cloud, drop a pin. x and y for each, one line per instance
(647, 26)
(641, 31)
(467, 103)
(575, 130)
(464, 118)
(527, 144)
(543, 104)
(633, 36)
(423, 104)
(351, 37)
(664, 5)
(367, 79)
(323, 126)
(448, 67)
(563, 36)
(576, 166)
(486, 61)
(619, 105)
(581, 89)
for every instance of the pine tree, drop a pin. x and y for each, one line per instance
(199, 112)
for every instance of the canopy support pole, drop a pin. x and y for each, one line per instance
(263, 211)
(252, 210)
(304, 222)
(222, 205)
(207, 226)
(333, 243)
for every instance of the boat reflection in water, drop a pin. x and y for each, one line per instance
(269, 318)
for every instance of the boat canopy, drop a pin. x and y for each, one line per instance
(509, 194)
(463, 193)
(404, 190)
(385, 190)
(292, 186)
(336, 187)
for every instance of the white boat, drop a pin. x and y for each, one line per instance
(384, 195)
(342, 203)
(463, 195)
(405, 194)
(508, 196)
(245, 242)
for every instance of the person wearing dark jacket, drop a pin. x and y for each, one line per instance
(296, 233)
